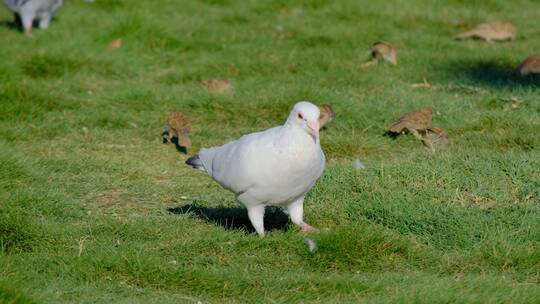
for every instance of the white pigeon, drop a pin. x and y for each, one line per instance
(274, 167)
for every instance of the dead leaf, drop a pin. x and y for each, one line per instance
(116, 43)
(218, 86)
(423, 84)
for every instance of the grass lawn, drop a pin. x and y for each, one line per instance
(94, 208)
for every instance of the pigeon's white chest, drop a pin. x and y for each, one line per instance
(298, 172)
(305, 162)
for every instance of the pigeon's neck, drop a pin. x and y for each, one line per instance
(293, 137)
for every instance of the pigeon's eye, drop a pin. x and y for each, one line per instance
(300, 116)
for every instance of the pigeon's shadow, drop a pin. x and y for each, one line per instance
(234, 218)
(12, 25)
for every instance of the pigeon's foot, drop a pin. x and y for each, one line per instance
(307, 228)
(27, 21)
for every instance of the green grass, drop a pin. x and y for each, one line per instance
(94, 208)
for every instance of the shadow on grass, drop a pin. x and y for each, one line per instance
(12, 25)
(391, 135)
(234, 218)
(165, 136)
(493, 73)
(16, 23)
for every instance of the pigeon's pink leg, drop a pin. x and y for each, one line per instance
(307, 228)
(27, 20)
(296, 212)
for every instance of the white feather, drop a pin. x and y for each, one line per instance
(312, 246)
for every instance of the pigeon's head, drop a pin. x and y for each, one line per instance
(305, 115)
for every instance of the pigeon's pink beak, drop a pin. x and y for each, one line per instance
(313, 128)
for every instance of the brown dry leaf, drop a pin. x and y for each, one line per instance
(491, 31)
(116, 43)
(465, 199)
(327, 115)
(423, 84)
(116, 202)
(531, 65)
(527, 199)
(234, 70)
(218, 86)
(81, 246)
(514, 104)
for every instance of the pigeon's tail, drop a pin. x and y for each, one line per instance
(195, 162)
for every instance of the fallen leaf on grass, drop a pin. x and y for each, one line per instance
(423, 84)
(217, 86)
(514, 104)
(116, 43)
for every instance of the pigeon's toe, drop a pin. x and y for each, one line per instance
(307, 229)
